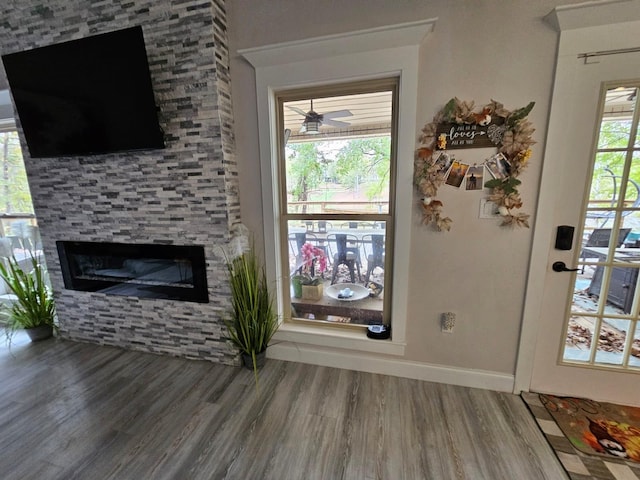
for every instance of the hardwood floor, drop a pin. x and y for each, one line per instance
(79, 411)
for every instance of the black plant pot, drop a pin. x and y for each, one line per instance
(261, 358)
(41, 332)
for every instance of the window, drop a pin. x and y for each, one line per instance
(14, 188)
(337, 172)
(17, 220)
(390, 51)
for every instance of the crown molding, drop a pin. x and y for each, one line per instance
(388, 36)
(593, 13)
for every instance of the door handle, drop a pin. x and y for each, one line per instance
(562, 267)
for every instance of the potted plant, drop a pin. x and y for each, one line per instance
(253, 319)
(34, 307)
(307, 285)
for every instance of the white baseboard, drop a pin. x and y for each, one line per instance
(390, 366)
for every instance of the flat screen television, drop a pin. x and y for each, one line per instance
(86, 96)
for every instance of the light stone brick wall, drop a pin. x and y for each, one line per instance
(186, 194)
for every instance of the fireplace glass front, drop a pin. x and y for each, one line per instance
(171, 272)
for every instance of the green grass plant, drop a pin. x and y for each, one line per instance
(253, 319)
(34, 305)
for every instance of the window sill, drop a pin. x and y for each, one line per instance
(336, 338)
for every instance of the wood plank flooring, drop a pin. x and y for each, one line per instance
(79, 411)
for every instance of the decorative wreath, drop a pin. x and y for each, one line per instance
(509, 131)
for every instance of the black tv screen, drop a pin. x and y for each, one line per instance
(86, 96)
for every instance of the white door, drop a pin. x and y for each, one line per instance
(587, 321)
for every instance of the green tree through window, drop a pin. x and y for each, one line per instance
(14, 188)
(305, 172)
(365, 160)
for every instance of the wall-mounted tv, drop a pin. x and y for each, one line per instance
(86, 96)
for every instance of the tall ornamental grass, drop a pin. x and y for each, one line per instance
(253, 319)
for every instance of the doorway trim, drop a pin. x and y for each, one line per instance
(582, 28)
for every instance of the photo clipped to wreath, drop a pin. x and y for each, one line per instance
(474, 178)
(458, 126)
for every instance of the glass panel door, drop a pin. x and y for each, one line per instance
(602, 329)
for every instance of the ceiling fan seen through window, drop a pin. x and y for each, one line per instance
(313, 120)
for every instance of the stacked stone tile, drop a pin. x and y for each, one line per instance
(186, 194)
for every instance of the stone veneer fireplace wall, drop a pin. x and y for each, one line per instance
(185, 194)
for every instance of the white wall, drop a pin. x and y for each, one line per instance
(480, 50)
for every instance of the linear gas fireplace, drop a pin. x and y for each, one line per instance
(170, 272)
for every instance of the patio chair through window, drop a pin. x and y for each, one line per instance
(296, 241)
(373, 246)
(600, 238)
(345, 251)
(631, 196)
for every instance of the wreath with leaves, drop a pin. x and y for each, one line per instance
(510, 131)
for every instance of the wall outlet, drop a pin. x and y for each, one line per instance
(447, 322)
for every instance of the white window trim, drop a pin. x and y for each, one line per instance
(366, 54)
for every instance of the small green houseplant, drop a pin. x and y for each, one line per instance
(34, 307)
(253, 319)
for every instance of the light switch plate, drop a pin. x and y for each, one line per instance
(488, 209)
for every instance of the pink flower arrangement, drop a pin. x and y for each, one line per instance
(309, 255)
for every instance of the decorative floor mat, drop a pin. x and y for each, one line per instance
(607, 431)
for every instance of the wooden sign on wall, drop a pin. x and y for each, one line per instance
(470, 135)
